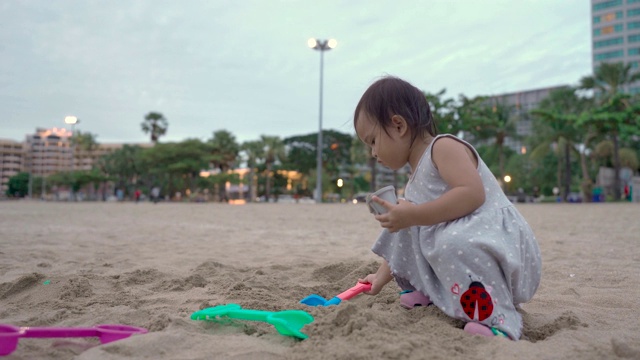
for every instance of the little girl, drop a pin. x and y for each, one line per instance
(456, 241)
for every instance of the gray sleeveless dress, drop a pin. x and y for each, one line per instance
(475, 268)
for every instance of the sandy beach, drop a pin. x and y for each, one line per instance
(146, 265)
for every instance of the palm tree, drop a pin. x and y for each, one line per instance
(225, 149)
(444, 113)
(559, 113)
(608, 80)
(253, 151)
(155, 124)
(490, 119)
(86, 143)
(224, 152)
(273, 150)
(619, 118)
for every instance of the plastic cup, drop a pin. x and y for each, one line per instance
(387, 193)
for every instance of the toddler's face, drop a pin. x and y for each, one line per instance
(385, 148)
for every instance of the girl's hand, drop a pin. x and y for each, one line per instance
(376, 285)
(397, 217)
(379, 279)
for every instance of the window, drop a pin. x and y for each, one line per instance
(633, 25)
(633, 1)
(634, 51)
(633, 12)
(609, 55)
(634, 64)
(608, 42)
(606, 4)
(633, 38)
(609, 29)
(612, 16)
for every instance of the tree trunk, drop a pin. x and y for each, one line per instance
(501, 160)
(586, 184)
(616, 166)
(267, 188)
(559, 174)
(567, 171)
(250, 184)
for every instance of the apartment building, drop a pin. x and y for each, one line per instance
(615, 31)
(522, 102)
(11, 155)
(48, 151)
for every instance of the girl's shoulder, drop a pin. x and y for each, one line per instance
(448, 141)
(446, 145)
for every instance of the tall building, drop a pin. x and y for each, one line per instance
(615, 31)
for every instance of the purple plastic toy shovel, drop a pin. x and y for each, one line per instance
(317, 300)
(9, 334)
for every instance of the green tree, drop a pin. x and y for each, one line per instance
(84, 144)
(156, 125)
(254, 152)
(124, 166)
(301, 152)
(274, 150)
(180, 162)
(490, 120)
(18, 185)
(616, 117)
(224, 149)
(444, 112)
(224, 154)
(609, 81)
(558, 114)
(302, 155)
(359, 154)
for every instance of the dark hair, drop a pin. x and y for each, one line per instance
(391, 96)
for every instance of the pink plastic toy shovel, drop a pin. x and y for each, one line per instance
(9, 334)
(317, 300)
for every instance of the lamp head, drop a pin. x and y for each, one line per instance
(71, 120)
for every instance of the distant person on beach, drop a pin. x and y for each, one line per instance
(155, 194)
(455, 241)
(137, 195)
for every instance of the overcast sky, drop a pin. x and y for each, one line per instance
(244, 65)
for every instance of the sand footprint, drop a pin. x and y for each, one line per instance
(568, 320)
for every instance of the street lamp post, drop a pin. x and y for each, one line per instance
(322, 46)
(30, 169)
(72, 120)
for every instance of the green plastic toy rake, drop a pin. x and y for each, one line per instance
(286, 322)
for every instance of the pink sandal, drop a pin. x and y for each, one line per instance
(479, 329)
(410, 299)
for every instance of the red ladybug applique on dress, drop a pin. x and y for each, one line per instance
(476, 302)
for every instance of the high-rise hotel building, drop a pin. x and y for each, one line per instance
(615, 31)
